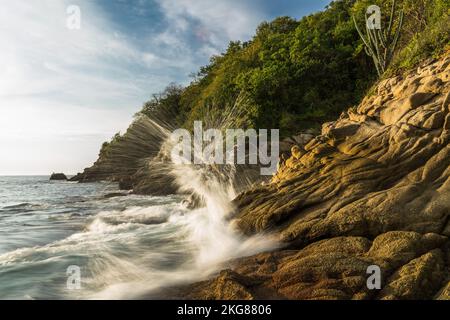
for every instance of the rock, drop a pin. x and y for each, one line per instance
(355, 117)
(342, 131)
(420, 98)
(429, 120)
(58, 177)
(400, 247)
(114, 195)
(432, 85)
(444, 293)
(397, 109)
(373, 189)
(228, 285)
(300, 140)
(303, 138)
(379, 178)
(296, 152)
(125, 183)
(332, 269)
(127, 160)
(76, 178)
(419, 279)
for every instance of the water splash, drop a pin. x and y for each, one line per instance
(205, 223)
(134, 250)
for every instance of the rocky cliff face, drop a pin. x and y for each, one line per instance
(372, 189)
(137, 160)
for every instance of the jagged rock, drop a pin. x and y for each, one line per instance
(228, 285)
(339, 131)
(77, 177)
(127, 159)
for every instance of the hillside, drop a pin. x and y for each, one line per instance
(293, 75)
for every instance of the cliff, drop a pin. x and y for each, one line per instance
(372, 189)
(136, 160)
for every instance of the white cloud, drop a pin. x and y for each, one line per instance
(42, 55)
(231, 20)
(60, 86)
(213, 23)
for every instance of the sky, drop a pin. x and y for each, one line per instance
(65, 90)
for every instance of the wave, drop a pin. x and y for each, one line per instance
(24, 207)
(19, 206)
(141, 215)
(132, 246)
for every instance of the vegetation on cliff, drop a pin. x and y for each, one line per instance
(298, 74)
(292, 75)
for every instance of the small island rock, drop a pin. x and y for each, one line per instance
(58, 176)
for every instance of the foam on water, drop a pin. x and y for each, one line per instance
(126, 247)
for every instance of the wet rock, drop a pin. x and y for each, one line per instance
(125, 183)
(114, 195)
(228, 285)
(334, 269)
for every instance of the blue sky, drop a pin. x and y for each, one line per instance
(63, 92)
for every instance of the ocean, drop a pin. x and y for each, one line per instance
(121, 247)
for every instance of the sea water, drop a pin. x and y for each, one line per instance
(124, 246)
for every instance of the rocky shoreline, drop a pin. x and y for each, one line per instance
(372, 189)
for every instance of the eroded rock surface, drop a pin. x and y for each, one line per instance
(372, 189)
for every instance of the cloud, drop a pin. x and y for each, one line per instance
(41, 55)
(59, 86)
(205, 27)
(216, 20)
